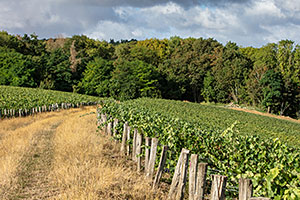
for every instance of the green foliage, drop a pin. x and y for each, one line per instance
(272, 90)
(16, 69)
(134, 79)
(57, 73)
(96, 78)
(193, 69)
(230, 70)
(188, 65)
(273, 166)
(21, 98)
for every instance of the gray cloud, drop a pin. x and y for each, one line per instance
(150, 3)
(247, 22)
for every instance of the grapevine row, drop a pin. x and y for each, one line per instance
(273, 166)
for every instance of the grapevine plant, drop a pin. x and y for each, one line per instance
(273, 166)
(28, 98)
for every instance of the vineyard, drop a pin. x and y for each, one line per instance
(18, 98)
(234, 144)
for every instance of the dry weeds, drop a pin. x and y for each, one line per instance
(16, 136)
(89, 166)
(60, 156)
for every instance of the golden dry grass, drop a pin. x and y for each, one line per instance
(16, 135)
(89, 166)
(74, 162)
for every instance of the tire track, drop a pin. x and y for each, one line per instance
(34, 167)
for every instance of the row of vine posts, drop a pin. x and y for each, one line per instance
(10, 113)
(197, 171)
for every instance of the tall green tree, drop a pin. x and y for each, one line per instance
(134, 79)
(273, 88)
(263, 59)
(96, 78)
(188, 65)
(230, 70)
(287, 64)
(57, 74)
(16, 69)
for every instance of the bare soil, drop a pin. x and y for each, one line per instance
(265, 114)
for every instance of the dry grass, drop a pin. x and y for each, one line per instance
(16, 135)
(59, 155)
(88, 166)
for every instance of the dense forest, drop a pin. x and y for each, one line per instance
(176, 68)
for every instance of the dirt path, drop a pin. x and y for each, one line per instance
(32, 181)
(61, 156)
(265, 114)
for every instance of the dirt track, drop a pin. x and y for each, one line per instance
(59, 155)
(265, 114)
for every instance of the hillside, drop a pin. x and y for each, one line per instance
(193, 69)
(220, 118)
(234, 143)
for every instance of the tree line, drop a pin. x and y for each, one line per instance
(193, 69)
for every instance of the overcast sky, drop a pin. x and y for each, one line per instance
(246, 22)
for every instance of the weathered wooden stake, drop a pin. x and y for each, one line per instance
(218, 187)
(152, 157)
(245, 189)
(147, 152)
(179, 178)
(116, 121)
(98, 117)
(128, 139)
(134, 144)
(124, 137)
(161, 166)
(193, 176)
(105, 125)
(109, 132)
(201, 181)
(138, 151)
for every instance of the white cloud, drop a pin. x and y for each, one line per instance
(264, 8)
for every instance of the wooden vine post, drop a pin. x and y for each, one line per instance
(135, 131)
(116, 121)
(109, 131)
(161, 166)
(193, 176)
(138, 151)
(180, 175)
(201, 181)
(124, 137)
(147, 152)
(245, 189)
(218, 187)
(128, 139)
(151, 162)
